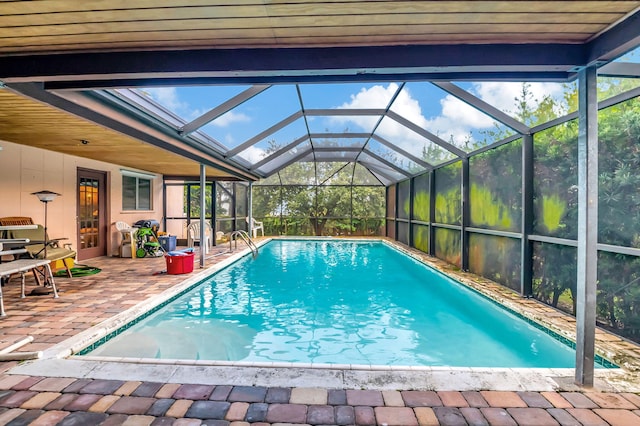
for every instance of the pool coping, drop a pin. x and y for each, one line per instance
(60, 360)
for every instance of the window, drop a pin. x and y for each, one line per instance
(136, 191)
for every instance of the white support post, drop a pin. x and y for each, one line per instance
(203, 214)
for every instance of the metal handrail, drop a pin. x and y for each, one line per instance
(245, 237)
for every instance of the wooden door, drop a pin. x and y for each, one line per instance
(92, 222)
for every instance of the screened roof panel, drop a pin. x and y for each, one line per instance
(362, 176)
(631, 56)
(379, 167)
(403, 128)
(347, 95)
(341, 176)
(274, 141)
(324, 141)
(611, 86)
(342, 124)
(336, 155)
(254, 116)
(394, 157)
(190, 102)
(411, 142)
(301, 172)
(278, 160)
(531, 103)
(329, 169)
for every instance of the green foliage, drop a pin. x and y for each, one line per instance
(421, 237)
(553, 208)
(447, 208)
(497, 258)
(487, 210)
(421, 206)
(447, 246)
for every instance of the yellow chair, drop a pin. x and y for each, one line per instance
(53, 251)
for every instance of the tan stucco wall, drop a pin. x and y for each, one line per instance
(24, 169)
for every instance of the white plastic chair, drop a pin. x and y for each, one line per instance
(128, 236)
(193, 235)
(254, 226)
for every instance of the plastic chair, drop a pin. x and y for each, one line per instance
(128, 236)
(254, 226)
(193, 235)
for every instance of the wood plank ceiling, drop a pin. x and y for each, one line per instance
(66, 26)
(58, 25)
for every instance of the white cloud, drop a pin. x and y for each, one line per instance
(229, 118)
(503, 95)
(168, 97)
(253, 154)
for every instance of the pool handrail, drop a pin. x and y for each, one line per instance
(246, 238)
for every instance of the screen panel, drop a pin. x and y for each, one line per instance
(496, 258)
(447, 245)
(448, 201)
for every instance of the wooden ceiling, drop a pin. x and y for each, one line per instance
(49, 28)
(28, 122)
(63, 26)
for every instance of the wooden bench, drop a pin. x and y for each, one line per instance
(22, 266)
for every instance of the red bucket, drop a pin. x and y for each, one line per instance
(182, 264)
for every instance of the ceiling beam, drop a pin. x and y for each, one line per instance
(221, 109)
(293, 64)
(234, 79)
(623, 37)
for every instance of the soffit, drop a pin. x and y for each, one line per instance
(32, 123)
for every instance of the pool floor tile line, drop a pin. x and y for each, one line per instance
(24, 402)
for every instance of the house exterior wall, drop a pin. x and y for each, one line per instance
(24, 170)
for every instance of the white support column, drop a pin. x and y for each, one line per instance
(587, 225)
(203, 214)
(250, 207)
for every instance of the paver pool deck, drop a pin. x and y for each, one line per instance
(63, 391)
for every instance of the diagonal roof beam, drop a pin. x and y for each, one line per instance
(483, 106)
(279, 152)
(291, 161)
(620, 69)
(372, 167)
(257, 138)
(221, 109)
(386, 162)
(616, 41)
(427, 134)
(396, 148)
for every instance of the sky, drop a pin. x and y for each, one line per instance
(422, 103)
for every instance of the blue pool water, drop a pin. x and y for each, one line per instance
(338, 302)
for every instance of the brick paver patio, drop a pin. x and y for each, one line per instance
(86, 301)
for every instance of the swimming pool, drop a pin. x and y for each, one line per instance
(337, 302)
